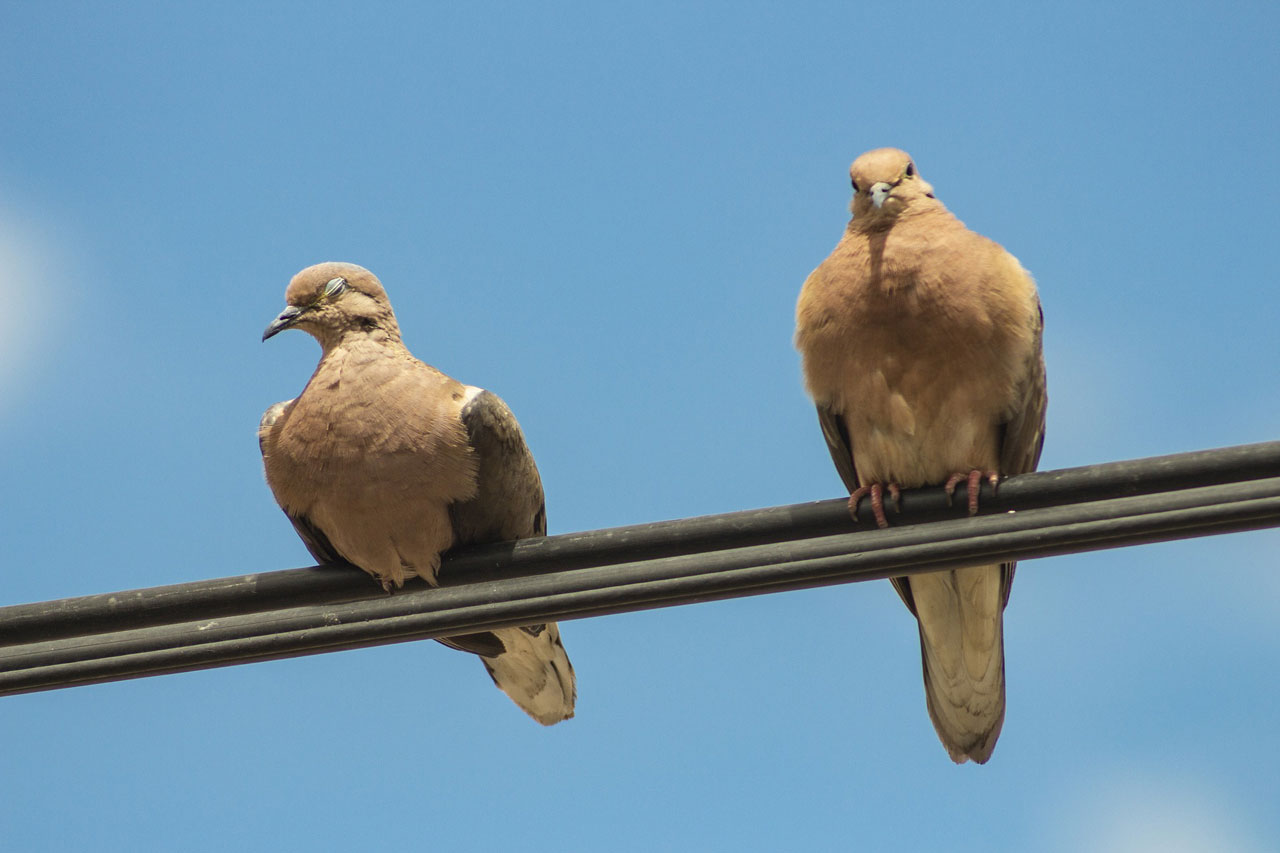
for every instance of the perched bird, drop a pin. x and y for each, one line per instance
(385, 462)
(921, 346)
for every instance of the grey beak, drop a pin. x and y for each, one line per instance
(879, 192)
(287, 318)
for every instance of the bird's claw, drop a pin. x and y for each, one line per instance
(972, 481)
(876, 493)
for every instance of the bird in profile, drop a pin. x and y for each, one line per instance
(385, 462)
(921, 347)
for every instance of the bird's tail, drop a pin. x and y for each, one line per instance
(961, 615)
(534, 670)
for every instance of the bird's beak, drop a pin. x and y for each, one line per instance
(287, 318)
(879, 192)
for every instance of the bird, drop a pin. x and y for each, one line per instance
(385, 462)
(921, 346)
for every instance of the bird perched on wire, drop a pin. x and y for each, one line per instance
(385, 462)
(921, 347)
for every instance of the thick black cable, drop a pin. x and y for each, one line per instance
(264, 591)
(658, 579)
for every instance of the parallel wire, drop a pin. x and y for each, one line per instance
(307, 611)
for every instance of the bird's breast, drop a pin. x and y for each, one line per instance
(358, 431)
(920, 369)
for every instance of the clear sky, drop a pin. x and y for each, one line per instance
(604, 213)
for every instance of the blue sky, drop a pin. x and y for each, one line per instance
(605, 214)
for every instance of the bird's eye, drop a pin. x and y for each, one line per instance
(855, 184)
(335, 287)
(911, 169)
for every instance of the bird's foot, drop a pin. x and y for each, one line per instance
(876, 492)
(973, 480)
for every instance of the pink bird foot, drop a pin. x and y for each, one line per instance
(974, 478)
(876, 491)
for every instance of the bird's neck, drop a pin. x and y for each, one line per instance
(373, 338)
(918, 208)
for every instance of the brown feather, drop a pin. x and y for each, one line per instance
(385, 462)
(921, 346)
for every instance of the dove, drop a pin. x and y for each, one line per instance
(920, 343)
(385, 463)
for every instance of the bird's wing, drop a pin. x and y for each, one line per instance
(507, 487)
(838, 444)
(1022, 435)
(530, 663)
(509, 502)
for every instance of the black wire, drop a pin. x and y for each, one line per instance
(307, 611)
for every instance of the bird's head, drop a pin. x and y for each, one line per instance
(885, 184)
(332, 300)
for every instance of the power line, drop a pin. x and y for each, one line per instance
(307, 611)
